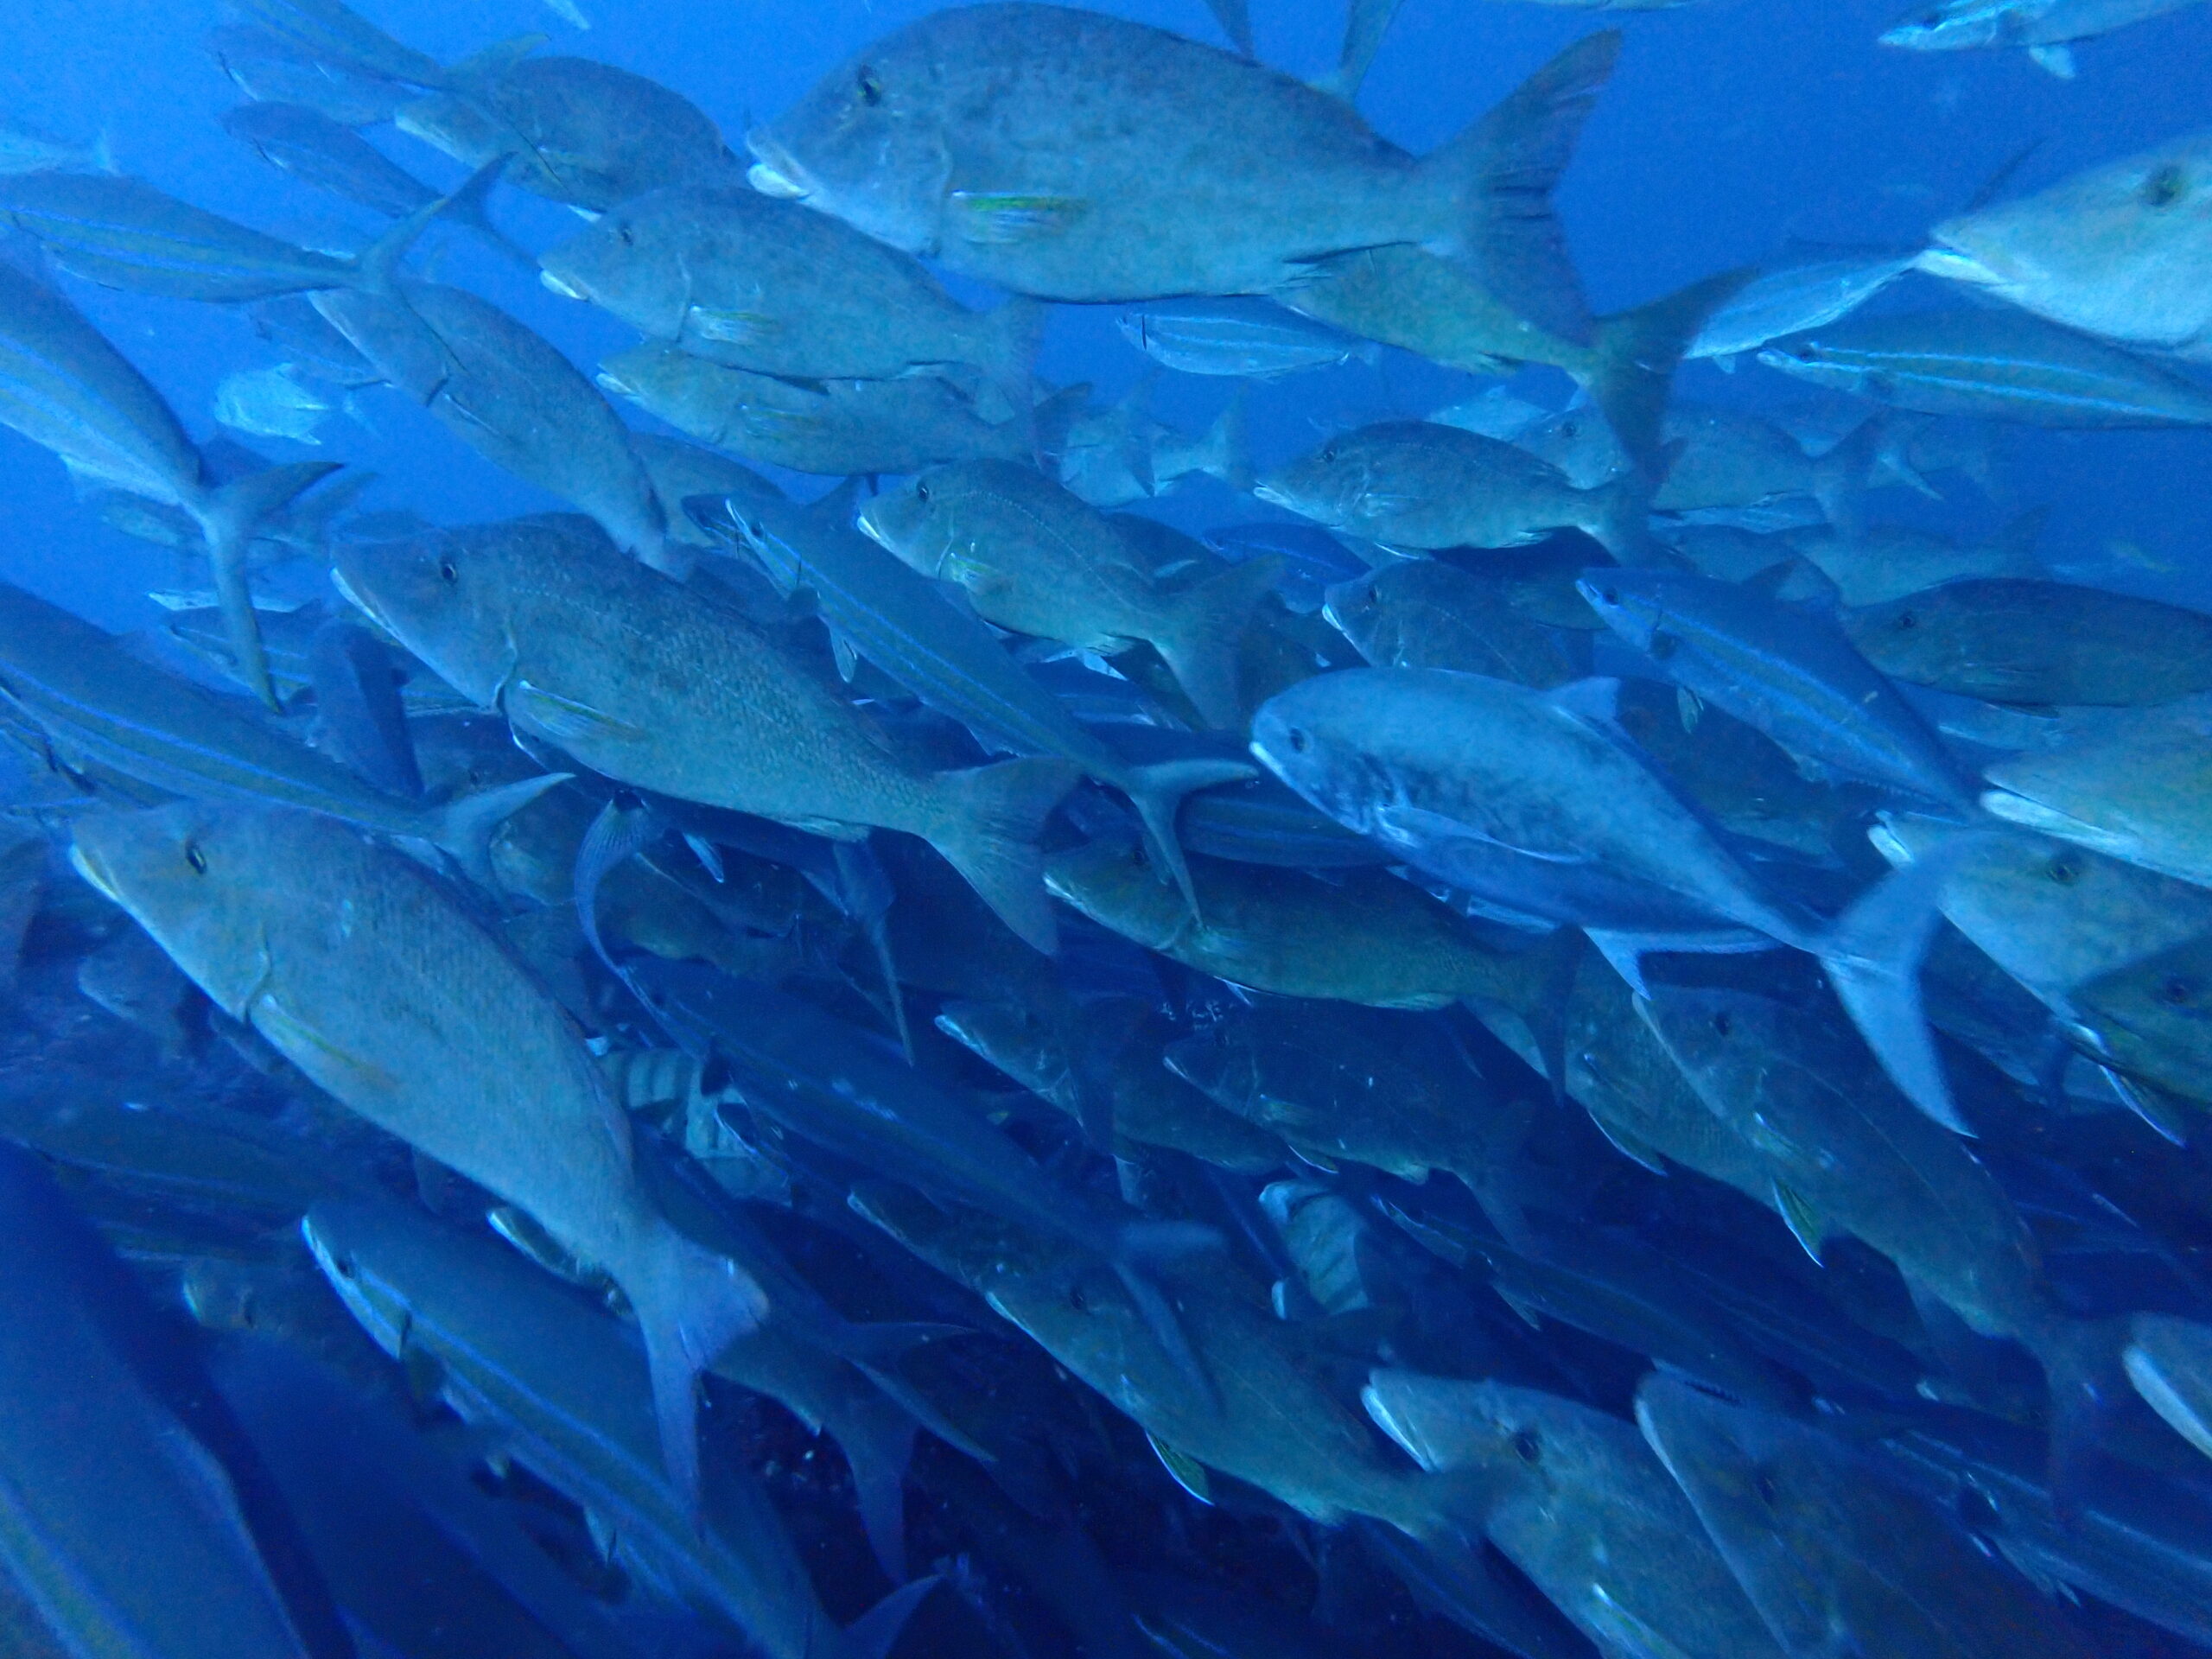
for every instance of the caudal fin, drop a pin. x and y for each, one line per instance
(464, 828)
(1157, 792)
(1007, 340)
(1200, 639)
(989, 835)
(1234, 17)
(1227, 451)
(228, 517)
(375, 270)
(1637, 353)
(1872, 955)
(1500, 173)
(691, 1304)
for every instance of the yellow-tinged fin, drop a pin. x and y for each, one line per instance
(1185, 1470)
(1804, 1221)
(992, 219)
(565, 719)
(318, 1055)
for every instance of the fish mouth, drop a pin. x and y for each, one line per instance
(359, 601)
(774, 173)
(1273, 495)
(561, 285)
(615, 384)
(1953, 266)
(868, 527)
(88, 865)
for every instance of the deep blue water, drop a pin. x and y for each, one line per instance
(1730, 129)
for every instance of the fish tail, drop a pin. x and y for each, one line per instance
(991, 833)
(1500, 173)
(2087, 1380)
(1635, 356)
(1227, 451)
(1206, 626)
(871, 1634)
(228, 517)
(1872, 954)
(1157, 792)
(464, 828)
(1010, 337)
(691, 1304)
(877, 1445)
(378, 268)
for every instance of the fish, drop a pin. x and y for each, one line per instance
(1364, 936)
(740, 279)
(269, 67)
(2148, 1018)
(1426, 614)
(1848, 1154)
(294, 925)
(1887, 562)
(664, 688)
(331, 156)
(2046, 30)
(1251, 339)
(2016, 639)
(1793, 299)
(835, 427)
(66, 388)
(1032, 557)
(509, 394)
(2112, 250)
(1993, 365)
(271, 403)
(27, 149)
(1117, 457)
(2169, 1363)
(330, 32)
(512, 1350)
(1575, 1500)
(1270, 1422)
(1788, 671)
(121, 232)
(577, 132)
(1054, 152)
(142, 1514)
(910, 627)
(1413, 485)
(1830, 1548)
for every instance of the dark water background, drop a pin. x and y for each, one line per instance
(1730, 129)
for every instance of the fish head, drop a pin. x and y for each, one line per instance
(1631, 602)
(1326, 737)
(1709, 1030)
(869, 145)
(1956, 25)
(2118, 250)
(1327, 484)
(1013, 1037)
(917, 520)
(1749, 1476)
(192, 874)
(1807, 359)
(439, 596)
(1219, 1062)
(350, 1242)
(1513, 1435)
(629, 261)
(1357, 610)
(1114, 883)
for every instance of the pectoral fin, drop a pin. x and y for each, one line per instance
(997, 219)
(1804, 1221)
(565, 719)
(1187, 1471)
(319, 1056)
(730, 327)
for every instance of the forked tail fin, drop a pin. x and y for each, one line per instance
(691, 1304)
(990, 835)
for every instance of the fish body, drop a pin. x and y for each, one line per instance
(1076, 157)
(2000, 366)
(1577, 1502)
(506, 392)
(1785, 670)
(367, 975)
(1414, 484)
(741, 279)
(1252, 339)
(1791, 299)
(665, 688)
(270, 68)
(2047, 28)
(2020, 640)
(1034, 558)
(836, 428)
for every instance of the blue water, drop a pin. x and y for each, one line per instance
(1729, 130)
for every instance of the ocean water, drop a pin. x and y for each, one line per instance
(1734, 134)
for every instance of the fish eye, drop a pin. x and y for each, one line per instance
(871, 87)
(194, 857)
(448, 571)
(1570, 430)
(1328, 453)
(628, 237)
(2164, 188)
(2064, 870)
(2175, 992)
(1610, 595)
(1527, 1447)
(1723, 1023)
(343, 1266)
(1906, 620)
(1300, 739)
(921, 492)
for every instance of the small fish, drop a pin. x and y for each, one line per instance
(272, 404)
(1249, 337)
(2047, 29)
